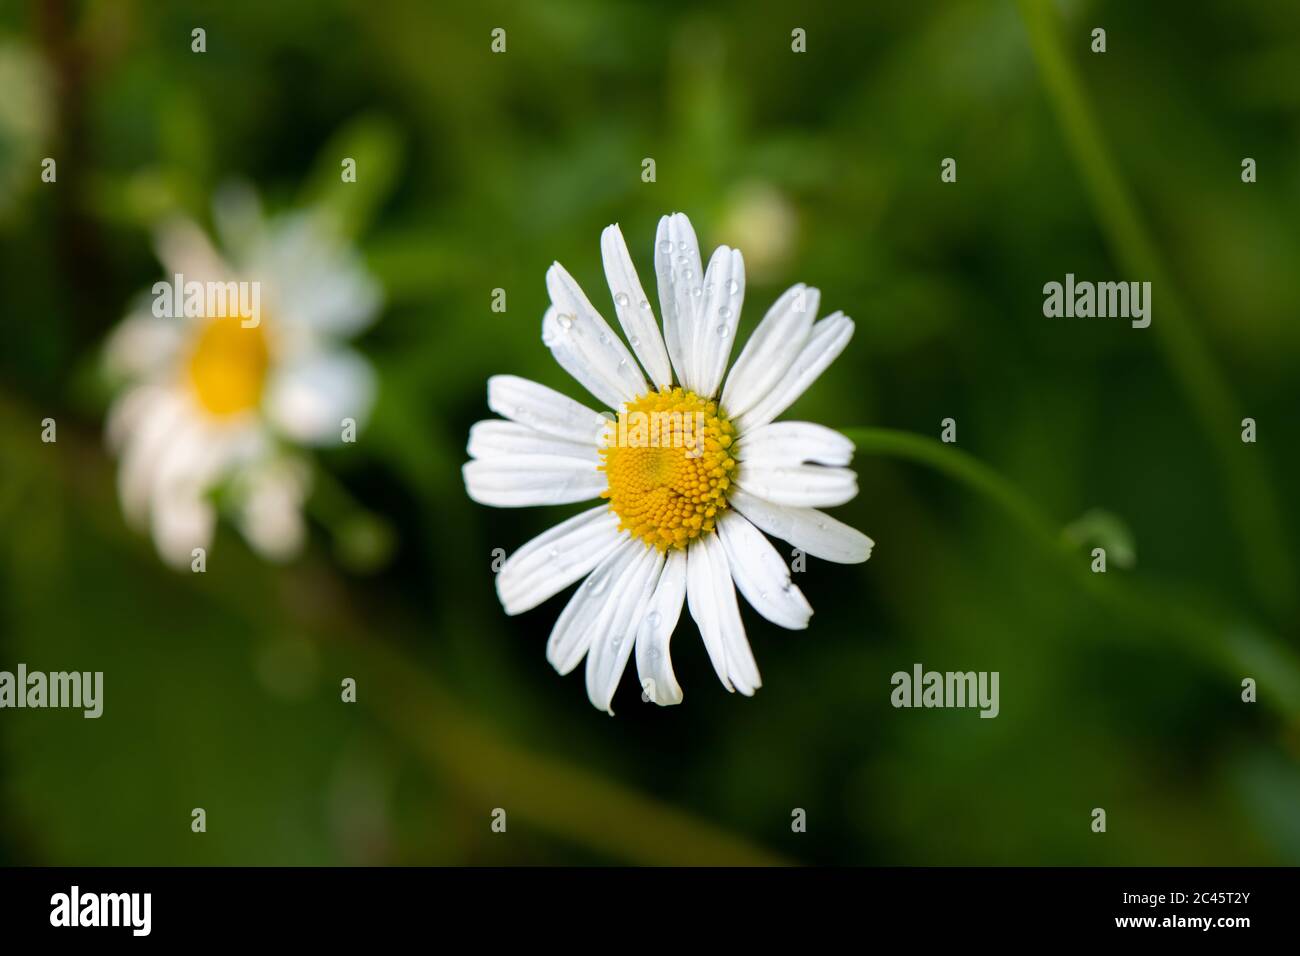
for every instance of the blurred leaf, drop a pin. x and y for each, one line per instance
(375, 145)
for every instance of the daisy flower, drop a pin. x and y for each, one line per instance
(214, 408)
(685, 500)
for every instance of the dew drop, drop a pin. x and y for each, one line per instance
(645, 305)
(635, 341)
(724, 312)
(566, 321)
(723, 330)
(652, 619)
(666, 246)
(733, 287)
(621, 300)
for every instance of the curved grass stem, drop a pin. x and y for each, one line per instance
(1252, 496)
(1237, 649)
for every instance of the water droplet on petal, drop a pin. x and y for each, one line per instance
(621, 300)
(666, 246)
(733, 287)
(725, 312)
(652, 619)
(635, 341)
(645, 305)
(565, 321)
(723, 330)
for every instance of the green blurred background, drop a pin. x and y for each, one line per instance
(475, 172)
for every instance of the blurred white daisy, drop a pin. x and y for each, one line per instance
(214, 407)
(685, 504)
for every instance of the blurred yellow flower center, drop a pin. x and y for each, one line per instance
(668, 463)
(227, 368)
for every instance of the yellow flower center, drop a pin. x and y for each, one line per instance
(668, 463)
(228, 366)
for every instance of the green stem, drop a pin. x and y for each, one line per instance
(960, 466)
(1252, 497)
(1237, 649)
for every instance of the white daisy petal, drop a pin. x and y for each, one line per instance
(585, 613)
(612, 644)
(545, 409)
(181, 520)
(553, 560)
(309, 398)
(633, 308)
(494, 438)
(584, 344)
(184, 249)
(793, 443)
(771, 350)
(800, 486)
(567, 348)
(678, 269)
(127, 411)
(761, 574)
(724, 293)
(270, 508)
(828, 338)
(654, 666)
(141, 450)
(194, 457)
(317, 283)
(143, 343)
(700, 602)
(526, 480)
(809, 530)
(711, 597)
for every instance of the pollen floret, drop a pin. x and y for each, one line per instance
(668, 462)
